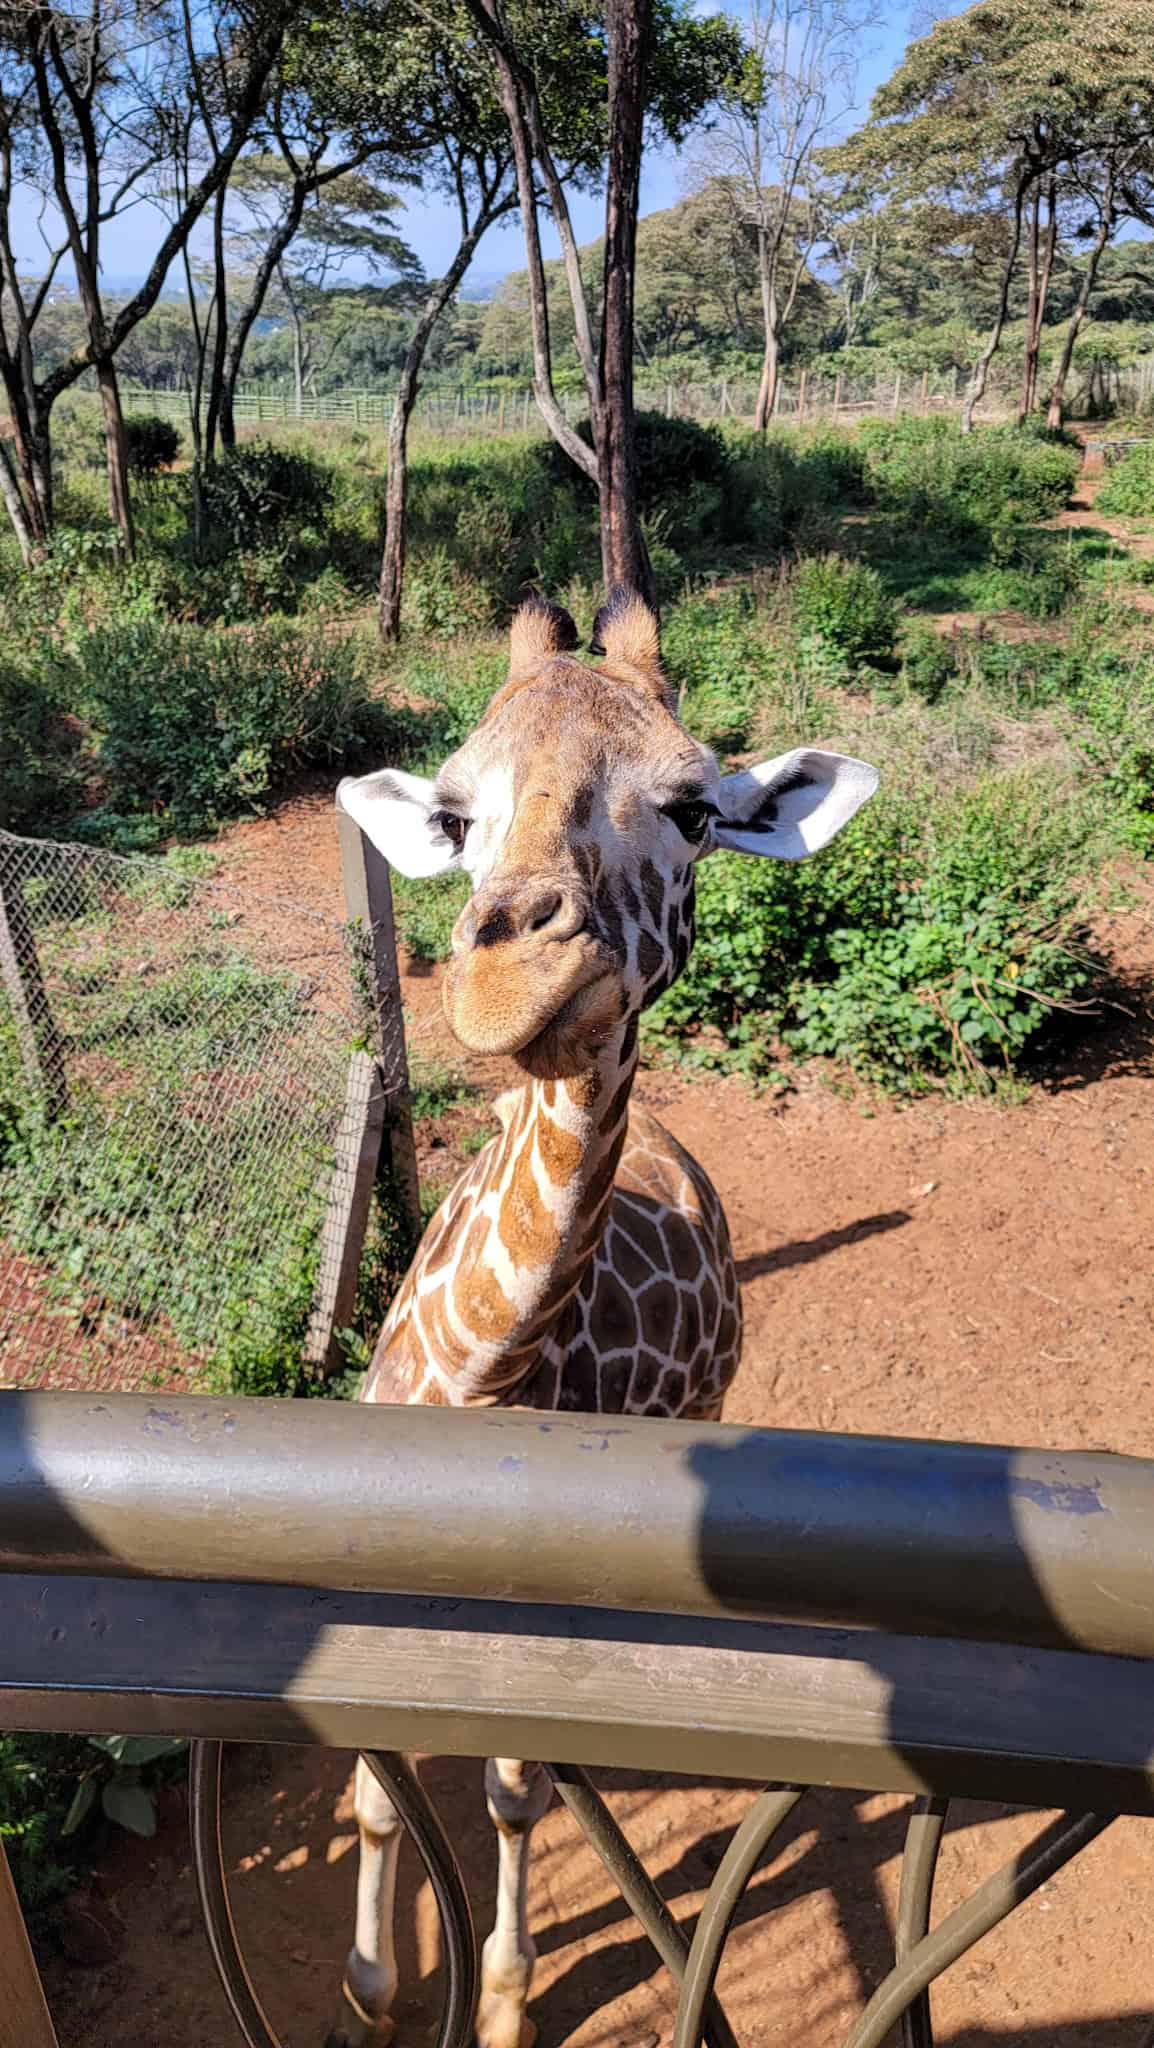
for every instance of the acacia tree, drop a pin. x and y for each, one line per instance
(87, 98)
(795, 85)
(1003, 100)
(306, 218)
(661, 66)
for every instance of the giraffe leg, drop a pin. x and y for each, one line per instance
(370, 1983)
(518, 1794)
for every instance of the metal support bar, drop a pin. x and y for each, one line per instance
(741, 1859)
(644, 1692)
(919, 1864)
(636, 1886)
(991, 1903)
(1027, 1547)
(419, 1816)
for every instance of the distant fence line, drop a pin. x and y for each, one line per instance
(802, 395)
(500, 409)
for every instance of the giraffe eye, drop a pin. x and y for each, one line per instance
(692, 819)
(453, 827)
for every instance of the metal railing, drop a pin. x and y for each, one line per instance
(944, 1620)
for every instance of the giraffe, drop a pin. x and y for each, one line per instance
(582, 1261)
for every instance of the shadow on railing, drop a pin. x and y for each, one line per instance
(945, 1620)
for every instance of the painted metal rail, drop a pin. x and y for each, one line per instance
(944, 1620)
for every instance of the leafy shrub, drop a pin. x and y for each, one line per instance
(1042, 572)
(715, 656)
(846, 603)
(672, 455)
(1129, 486)
(1111, 715)
(38, 759)
(929, 663)
(153, 443)
(916, 948)
(201, 724)
(927, 470)
(259, 490)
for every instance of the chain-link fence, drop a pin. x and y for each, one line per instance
(175, 1066)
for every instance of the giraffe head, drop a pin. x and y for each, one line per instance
(579, 808)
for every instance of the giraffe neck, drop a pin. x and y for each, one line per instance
(529, 1219)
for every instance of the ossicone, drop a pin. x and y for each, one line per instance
(539, 629)
(625, 631)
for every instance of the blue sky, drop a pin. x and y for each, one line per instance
(431, 228)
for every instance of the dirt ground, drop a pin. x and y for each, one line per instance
(943, 1270)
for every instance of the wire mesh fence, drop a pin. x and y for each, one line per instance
(812, 394)
(172, 1091)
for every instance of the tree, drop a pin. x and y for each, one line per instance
(305, 220)
(795, 84)
(661, 64)
(999, 101)
(398, 73)
(88, 95)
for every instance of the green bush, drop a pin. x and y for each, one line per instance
(926, 471)
(1042, 573)
(929, 661)
(846, 603)
(1129, 486)
(920, 947)
(153, 442)
(200, 724)
(39, 766)
(259, 492)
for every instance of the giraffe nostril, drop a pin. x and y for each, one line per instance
(546, 910)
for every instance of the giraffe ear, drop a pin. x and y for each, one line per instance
(625, 631)
(539, 629)
(397, 813)
(791, 807)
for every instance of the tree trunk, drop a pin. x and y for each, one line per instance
(1031, 349)
(624, 556)
(554, 417)
(1106, 227)
(30, 475)
(977, 390)
(1042, 250)
(250, 312)
(396, 480)
(219, 326)
(10, 492)
(116, 451)
(298, 364)
(767, 389)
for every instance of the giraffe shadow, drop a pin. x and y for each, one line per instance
(805, 1250)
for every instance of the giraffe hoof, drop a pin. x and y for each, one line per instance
(501, 2022)
(355, 2029)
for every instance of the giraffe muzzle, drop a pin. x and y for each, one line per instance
(501, 996)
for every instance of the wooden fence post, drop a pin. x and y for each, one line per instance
(897, 388)
(375, 1140)
(41, 1046)
(925, 390)
(837, 395)
(801, 396)
(25, 2021)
